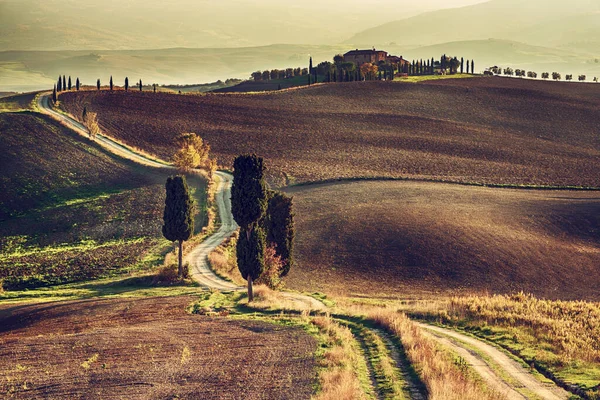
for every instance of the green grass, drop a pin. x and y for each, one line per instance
(424, 78)
(130, 286)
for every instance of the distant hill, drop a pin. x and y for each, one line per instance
(506, 53)
(33, 70)
(562, 24)
(152, 24)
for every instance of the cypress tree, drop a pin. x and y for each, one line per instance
(462, 62)
(310, 67)
(77, 84)
(69, 83)
(54, 94)
(64, 83)
(178, 216)
(98, 83)
(280, 228)
(248, 206)
(432, 66)
(141, 85)
(59, 87)
(111, 83)
(472, 66)
(154, 86)
(250, 256)
(126, 83)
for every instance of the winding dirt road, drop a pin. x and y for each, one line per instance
(514, 381)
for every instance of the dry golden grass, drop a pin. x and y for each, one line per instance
(444, 379)
(338, 378)
(568, 329)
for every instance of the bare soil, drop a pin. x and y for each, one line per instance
(416, 238)
(148, 349)
(502, 131)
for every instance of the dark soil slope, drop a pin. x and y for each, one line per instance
(71, 211)
(148, 349)
(402, 238)
(505, 131)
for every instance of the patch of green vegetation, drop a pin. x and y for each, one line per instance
(424, 78)
(322, 297)
(83, 245)
(140, 285)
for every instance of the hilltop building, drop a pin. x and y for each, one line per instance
(360, 57)
(373, 56)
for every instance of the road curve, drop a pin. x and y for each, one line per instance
(198, 257)
(43, 103)
(519, 376)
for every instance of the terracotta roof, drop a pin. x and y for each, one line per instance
(362, 52)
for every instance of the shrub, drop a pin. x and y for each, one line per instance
(169, 274)
(271, 275)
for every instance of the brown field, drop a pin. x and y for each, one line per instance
(70, 211)
(148, 349)
(402, 239)
(501, 131)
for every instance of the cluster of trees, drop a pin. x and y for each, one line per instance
(266, 222)
(531, 74)
(63, 85)
(446, 65)
(275, 74)
(193, 152)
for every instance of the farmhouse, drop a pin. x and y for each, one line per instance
(360, 57)
(373, 56)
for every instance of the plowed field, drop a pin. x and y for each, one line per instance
(502, 131)
(148, 349)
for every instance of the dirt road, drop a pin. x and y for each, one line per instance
(500, 372)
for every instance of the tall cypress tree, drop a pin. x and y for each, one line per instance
(467, 66)
(69, 83)
(126, 83)
(141, 86)
(98, 83)
(279, 223)
(472, 66)
(64, 83)
(54, 94)
(248, 206)
(59, 86)
(77, 84)
(111, 83)
(178, 216)
(462, 62)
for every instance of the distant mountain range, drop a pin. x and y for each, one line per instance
(573, 25)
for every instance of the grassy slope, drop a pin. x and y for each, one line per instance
(485, 130)
(70, 210)
(405, 238)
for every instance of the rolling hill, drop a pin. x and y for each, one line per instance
(508, 53)
(387, 238)
(71, 211)
(530, 22)
(402, 239)
(151, 24)
(493, 131)
(36, 70)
